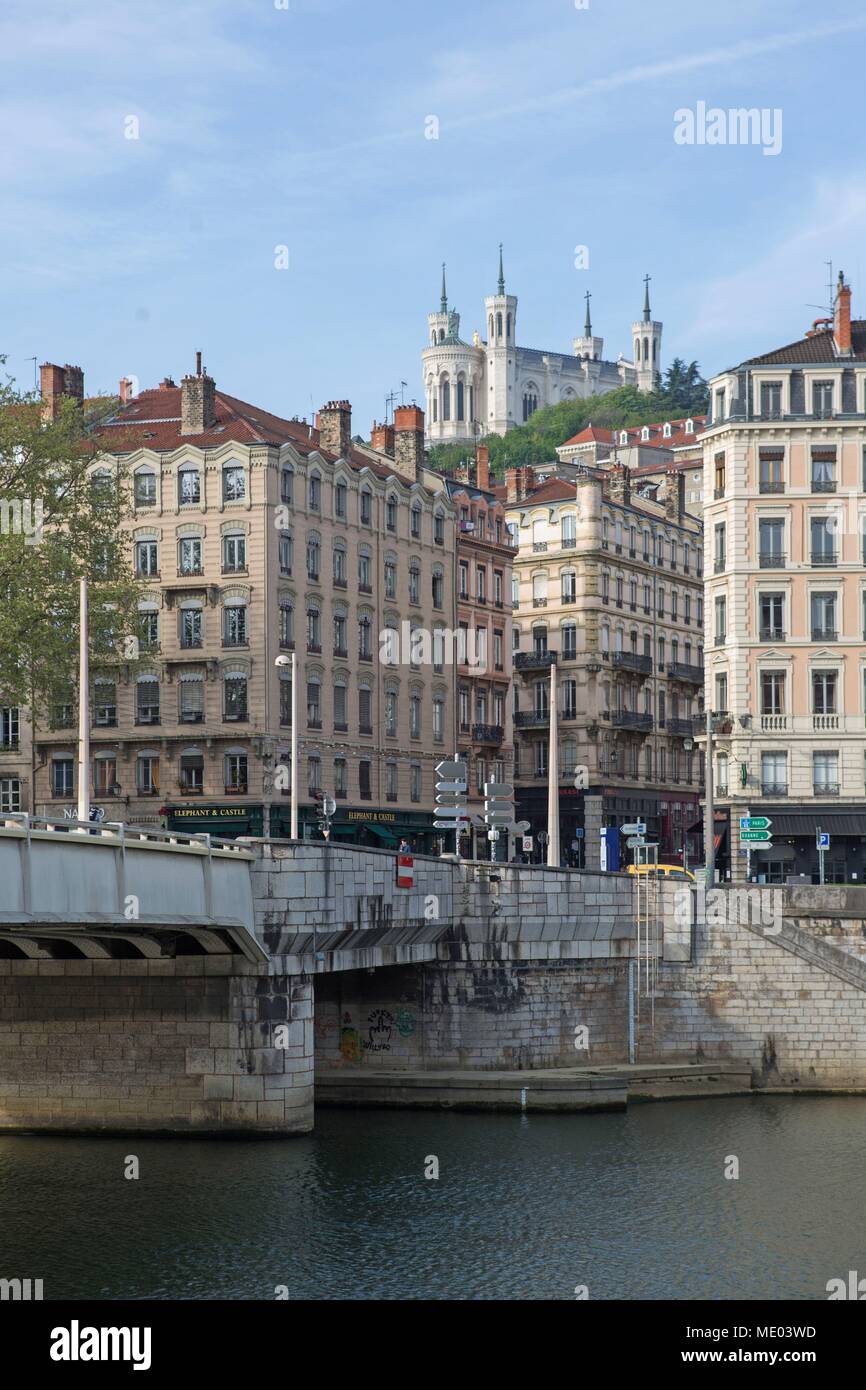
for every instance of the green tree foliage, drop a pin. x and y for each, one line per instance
(682, 392)
(59, 522)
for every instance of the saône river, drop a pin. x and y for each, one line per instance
(632, 1206)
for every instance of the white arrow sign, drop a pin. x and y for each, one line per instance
(456, 770)
(638, 827)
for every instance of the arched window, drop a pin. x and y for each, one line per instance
(646, 349)
(446, 399)
(508, 328)
(499, 325)
(145, 488)
(490, 327)
(442, 335)
(391, 513)
(340, 492)
(315, 493)
(287, 484)
(460, 396)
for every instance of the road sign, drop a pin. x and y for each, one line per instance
(635, 841)
(527, 844)
(822, 839)
(638, 827)
(498, 789)
(756, 836)
(448, 824)
(755, 823)
(329, 806)
(455, 771)
(579, 834)
(456, 786)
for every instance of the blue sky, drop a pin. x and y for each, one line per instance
(305, 127)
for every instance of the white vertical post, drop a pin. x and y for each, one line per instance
(553, 779)
(295, 774)
(83, 705)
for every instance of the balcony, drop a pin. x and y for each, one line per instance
(825, 559)
(823, 485)
(539, 603)
(771, 634)
(774, 723)
(719, 565)
(315, 648)
(774, 789)
(718, 493)
(630, 719)
(826, 789)
(824, 634)
(825, 723)
(340, 583)
(568, 543)
(772, 487)
(532, 719)
(681, 727)
(365, 588)
(683, 671)
(487, 733)
(632, 661)
(771, 560)
(534, 661)
(539, 547)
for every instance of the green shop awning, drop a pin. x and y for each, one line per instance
(386, 836)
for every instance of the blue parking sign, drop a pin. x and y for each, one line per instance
(823, 840)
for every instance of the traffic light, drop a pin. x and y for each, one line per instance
(327, 807)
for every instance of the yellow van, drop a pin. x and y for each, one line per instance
(664, 871)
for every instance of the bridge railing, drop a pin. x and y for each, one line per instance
(120, 834)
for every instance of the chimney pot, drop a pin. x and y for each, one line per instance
(335, 428)
(409, 454)
(482, 467)
(55, 383)
(197, 403)
(842, 317)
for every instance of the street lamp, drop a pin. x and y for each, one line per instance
(282, 661)
(688, 745)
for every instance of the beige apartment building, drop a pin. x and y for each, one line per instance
(785, 519)
(255, 537)
(607, 586)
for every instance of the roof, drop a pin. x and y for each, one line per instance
(554, 490)
(677, 439)
(817, 348)
(151, 420)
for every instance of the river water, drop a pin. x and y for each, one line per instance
(632, 1205)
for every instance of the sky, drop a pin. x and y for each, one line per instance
(257, 179)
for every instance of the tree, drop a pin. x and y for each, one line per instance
(684, 389)
(60, 521)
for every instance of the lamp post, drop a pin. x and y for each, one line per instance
(688, 745)
(553, 778)
(83, 705)
(709, 810)
(282, 661)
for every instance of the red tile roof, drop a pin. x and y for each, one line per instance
(677, 438)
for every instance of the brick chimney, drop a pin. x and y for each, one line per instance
(167, 384)
(197, 401)
(675, 494)
(334, 423)
(409, 455)
(125, 390)
(619, 484)
(519, 482)
(382, 438)
(482, 467)
(55, 383)
(842, 317)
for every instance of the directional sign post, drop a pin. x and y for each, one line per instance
(637, 827)
(756, 836)
(635, 841)
(451, 809)
(755, 823)
(822, 844)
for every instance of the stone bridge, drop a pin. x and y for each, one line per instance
(162, 982)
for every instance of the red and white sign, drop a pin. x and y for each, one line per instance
(405, 871)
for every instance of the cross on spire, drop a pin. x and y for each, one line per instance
(587, 327)
(646, 303)
(501, 272)
(444, 300)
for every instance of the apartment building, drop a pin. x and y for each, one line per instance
(785, 516)
(650, 451)
(607, 587)
(255, 536)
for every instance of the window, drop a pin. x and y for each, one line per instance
(771, 400)
(481, 583)
(722, 774)
(234, 483)
(364, 576)
(315, 492)
(148, 627)
(774, 774)
(390, 781)
(191, 774)
(287, 485)
(341, 778)
(824, 692)
(439, 528)
(314, 628)
(415, 715)
(438, 719)
(366, 507)
(661, 601)
(285, 551)
(313, 557)
(823, 610)
(189, 557)
(414, 582)
(719, 474)
(364, 787)
(191, 700)
(104, 704)
(286, 700)
(823, 470)
(720, 547)
(365, 644)
(438, 588)
(10, 795)
(235, 697)
(569, 699)
(416, 522)
(823, 533)
(415, 782)
(391, 713)
(234, 553)
(341, 708)
(339, 566)
(9, 727)
(822, 399)
(235, 625)
(146, 558)
(721, 618)
(772, 618)
(145, 489)
(340, 492)
(147, 700)
(287, 623)
(236, 773)
(569, 586)
(147, 774)
(825, 773)
(314, 703)
(391, 513)
(770, 464)
(772, 693)
(62, 777)
(341, 640)
(188, 487)
(191, 627)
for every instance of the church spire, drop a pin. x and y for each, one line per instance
(444, 300)
(646, 303)
(501, 272)
(587, 327)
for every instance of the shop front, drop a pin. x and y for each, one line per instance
(375, 826)
(226, 820)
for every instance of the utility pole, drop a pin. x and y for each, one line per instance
(83, 705)
(709, 810)
(553, 778)
(293, 828)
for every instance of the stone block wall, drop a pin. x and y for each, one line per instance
(482, 1015)
(154, 1045)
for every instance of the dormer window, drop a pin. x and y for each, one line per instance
(623, 436)
(690, 424)
(644, 434)
(667, 429)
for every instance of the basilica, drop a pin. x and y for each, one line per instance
(490, 386)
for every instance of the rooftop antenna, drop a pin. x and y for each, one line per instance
(35, 373)
(403, 385)
(389, 404)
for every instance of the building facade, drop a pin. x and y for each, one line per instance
(255, 537)
(491, 385)
(607, 589)
(785, 515)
